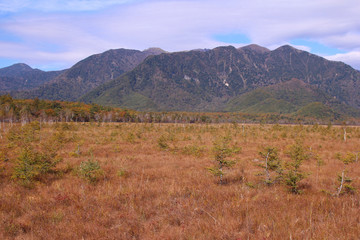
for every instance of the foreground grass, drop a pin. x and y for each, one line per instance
(160, 189)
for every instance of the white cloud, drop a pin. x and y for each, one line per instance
(42, 59)
(351, 58)
(176, 25)
(349, 40)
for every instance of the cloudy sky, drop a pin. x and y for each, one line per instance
(55, 34)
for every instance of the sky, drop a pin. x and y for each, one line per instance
(55, 34)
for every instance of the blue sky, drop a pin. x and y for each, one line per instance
(55, 34)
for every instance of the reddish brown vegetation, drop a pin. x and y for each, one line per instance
(148, 191)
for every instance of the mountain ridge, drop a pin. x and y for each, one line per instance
(89, 73)
(21, 76)
(206, 80)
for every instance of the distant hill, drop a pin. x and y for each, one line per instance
(292, 97)
(89, 73)
(224, 79)
(22, 77)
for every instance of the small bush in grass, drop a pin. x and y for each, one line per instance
(348, 158)
(130, 138)
(24, 135)
(91, 171)
(122, 172)
(271, 165)
(344, 181)
(76, 152)
(293, 174)
(59, 137)
(32, 165)
(345, 185)
(162, 142)
(349, 189)
(222, 151)
(193, 150)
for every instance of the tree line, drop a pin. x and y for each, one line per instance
(26, 110)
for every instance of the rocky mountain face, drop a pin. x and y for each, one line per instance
(213, 80)
(22, 77)
(89, 73)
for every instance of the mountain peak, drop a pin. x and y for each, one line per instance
(19, 67)
(21, 76)
(231, 48)
(201, 50)
(287, 48)
(154, 51)
(90, 73)
(256, 48)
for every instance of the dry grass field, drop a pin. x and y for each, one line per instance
(151, 181)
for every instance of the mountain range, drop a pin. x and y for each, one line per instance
(22, 77)
(249, 79)
(220, 79)
(88, 74)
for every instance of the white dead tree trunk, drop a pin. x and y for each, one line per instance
(341, 183)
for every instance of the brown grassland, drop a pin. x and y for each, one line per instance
(150, 181)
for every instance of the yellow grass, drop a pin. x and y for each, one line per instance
(148, 192)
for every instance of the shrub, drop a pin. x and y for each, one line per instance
(344, 181)
(91, 171)
(122, 172)
(162, 142)
(193, 150)
(221, 152)
(272, 164)
(130, 138)
(32, 165)
(349, 189)
(294, 175)
(59, 137)
(24, 135)
(76, 152)
(298, 153)
(348, 158)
